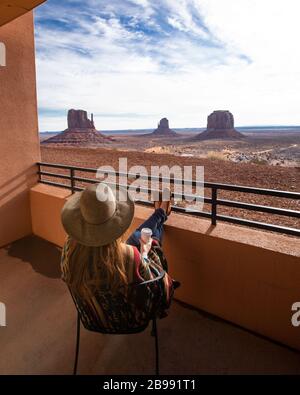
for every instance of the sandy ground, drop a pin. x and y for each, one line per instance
(271, 148)
(263, 176)
(277, 148)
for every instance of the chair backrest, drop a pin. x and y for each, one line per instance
(111, 313)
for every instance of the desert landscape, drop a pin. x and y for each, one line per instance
(273, 146)
(265, 159)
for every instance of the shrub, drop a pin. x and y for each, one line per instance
(215, 155)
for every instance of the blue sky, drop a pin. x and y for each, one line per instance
(132, 62)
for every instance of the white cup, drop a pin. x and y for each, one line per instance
(146, 235)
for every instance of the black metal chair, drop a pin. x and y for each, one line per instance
(82, 314)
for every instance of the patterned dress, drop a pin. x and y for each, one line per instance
(130, 308)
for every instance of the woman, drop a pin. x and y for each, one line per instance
(101, 270)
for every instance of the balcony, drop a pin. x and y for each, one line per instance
(239, 278)
(232, 313)
(41, 321)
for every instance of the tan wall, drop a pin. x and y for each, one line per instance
(19, 142)
(46, 204)
(251, 285)
(245, 276)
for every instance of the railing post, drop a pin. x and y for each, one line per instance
(39, 172)
(72, 172)
(214, 198)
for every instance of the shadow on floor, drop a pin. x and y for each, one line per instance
(40, 254)
(40, 335)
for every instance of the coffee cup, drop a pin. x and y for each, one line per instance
(146, 235)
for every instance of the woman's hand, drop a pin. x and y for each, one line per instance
(145, 247)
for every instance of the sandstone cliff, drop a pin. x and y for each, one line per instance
(81, 131)
(163, 129)
(220, 125)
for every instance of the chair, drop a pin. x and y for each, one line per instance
(83, 314)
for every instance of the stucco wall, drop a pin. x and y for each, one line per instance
(246, 276)
(46, 205)
(19, 142)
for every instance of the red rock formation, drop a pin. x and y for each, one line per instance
(163, 129)
(78, 119)
(220, 125)
(81, 131)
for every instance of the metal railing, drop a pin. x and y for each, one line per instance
(214, 200)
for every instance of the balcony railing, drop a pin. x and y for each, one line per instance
(72, 180)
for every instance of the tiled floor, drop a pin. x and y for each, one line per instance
(40, 333)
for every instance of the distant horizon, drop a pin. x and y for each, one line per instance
(185, 128)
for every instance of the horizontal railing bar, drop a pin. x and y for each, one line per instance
(55, 166)
(87, 180)
(144, 190)
(66, 167)
(121, 174)
(228, 187)
(139, 189)
(149, 178)
(227, 203)
(182, 210)
(255, 207)
(63, 176)
(186, 196)
(150, 204)
(145, 203)
(178, 209)
(260, 225)
(112, 184)
(253, 190)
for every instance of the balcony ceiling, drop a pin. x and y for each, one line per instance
(11, 9)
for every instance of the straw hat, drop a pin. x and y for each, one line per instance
(98, 215)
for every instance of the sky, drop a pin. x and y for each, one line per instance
(133, 62)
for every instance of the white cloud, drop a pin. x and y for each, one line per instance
(107, 67)
(143, 3)
(177, 24)
(182, 15)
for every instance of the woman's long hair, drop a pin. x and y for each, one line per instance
(92, 268)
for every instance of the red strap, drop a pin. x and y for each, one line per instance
(137, 261)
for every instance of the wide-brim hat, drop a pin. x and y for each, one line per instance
(98, 215)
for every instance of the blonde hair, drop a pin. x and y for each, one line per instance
(92, 268)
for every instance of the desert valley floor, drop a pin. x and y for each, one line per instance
(273, 147)
(216, 170)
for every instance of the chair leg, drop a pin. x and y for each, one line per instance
(155, 334)
(77, 345)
